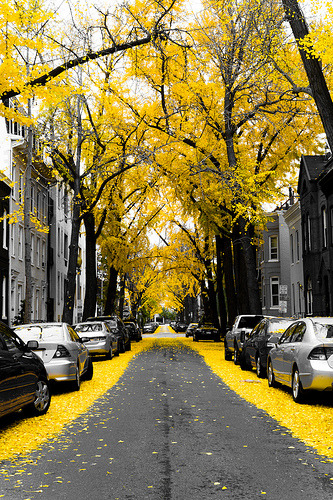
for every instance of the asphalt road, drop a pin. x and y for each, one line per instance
(171, 430)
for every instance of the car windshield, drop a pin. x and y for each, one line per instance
(89, 327)
(249, 321)
(323, 331)
(39, 332)
(280, 326)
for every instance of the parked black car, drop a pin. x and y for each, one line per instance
(234, 339)
(23, 378)
(117, 328)
(133, 330)
(206, 331)
(257, 346)
(180, 327)
(150, 327)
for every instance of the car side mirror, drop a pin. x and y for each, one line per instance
(273, 341)
(32, 344)
(242, 335)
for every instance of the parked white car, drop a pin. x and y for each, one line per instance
(60, 348)
(303, 357)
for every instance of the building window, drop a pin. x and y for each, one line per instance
(273, 248)
(4, 229)
(292, 249)
(12, 240)
(263, 293)
(293, 299)
(275, 295)
(324, 226)
(4, 297)
(32, 249)
(308, 234)
(38, 252)
(297, 246)
(309, 297)
(43, 253)
(20, 243)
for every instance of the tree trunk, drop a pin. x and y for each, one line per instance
(249, 252)
(90, 298)
(27, 226)
(111, 295)
(122, 295)
(312, 66)
(222, 313)
(240, 272)
(70, 282)
(228, 271)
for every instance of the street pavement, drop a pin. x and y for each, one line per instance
(170, 429)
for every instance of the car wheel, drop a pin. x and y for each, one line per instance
(242, 362)
(77, 382)
(109, 355)
(227, 353)
(270, 375)
(42, 398)
(122, 347)
(195, 339)
(259, 368)
(296, 387)
(236, 356)
(90, 370)
(128, 346)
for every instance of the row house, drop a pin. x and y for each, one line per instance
(315, 191)
(296, 260)
(50, 235)
(274, 258)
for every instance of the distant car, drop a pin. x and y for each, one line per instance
(180, 327)
(65, 357)
(257, 346)
(206, 331)
(98, 338)
(234, 339)
(190, 329)
(23, 378)
(150, 327)
(117, 327)
(133, 330)
(303, 357)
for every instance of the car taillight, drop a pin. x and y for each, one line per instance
(61, 352)
(321, 353)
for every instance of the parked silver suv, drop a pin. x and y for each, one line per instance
(234, 339)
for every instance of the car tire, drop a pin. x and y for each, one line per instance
(259, 368)
(90, 370)
(128, 346)
(76, 384)
(242, 362)
(42, 398)
(270, 375)
(227, 353)
(296, 387)
(122, 347)
(195, 339)
(109, 355)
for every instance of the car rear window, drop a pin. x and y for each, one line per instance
(52, 332)
(323, 331)
(249, 321)
(90, 327)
